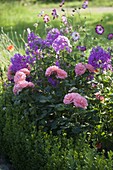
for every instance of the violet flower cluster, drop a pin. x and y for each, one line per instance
(99, 58)
(20, 61)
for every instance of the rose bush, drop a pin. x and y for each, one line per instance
(63, 82)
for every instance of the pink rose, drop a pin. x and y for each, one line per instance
(61, 74)
(19, 86)
(89, 67)
(25, 71)
(80, 101)
(30, 84)
(50, 70)
(68, 98)
(19, 76)
(76, 99)
(80, 69)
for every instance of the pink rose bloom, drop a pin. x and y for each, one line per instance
(16, 89)
(61, 74)
(80, 101)
(57, 71)
(30, 84)
(89, 67)
(50, 70)
(80, 69)
(19, 86)
(9, 73)
(68, 98)
(77, 99)
(25, 71)
(19, 76)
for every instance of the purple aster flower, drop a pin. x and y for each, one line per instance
(51, 36)
(110, 36)
(75, 36)
(99, 29)
(61, 43)
(85, 4)
(81, 48)
(99, 58)
(54, 14)
(20, 61)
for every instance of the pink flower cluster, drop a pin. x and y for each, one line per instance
(76, 99)
(59, 73)
(81, 68)
(20, 80)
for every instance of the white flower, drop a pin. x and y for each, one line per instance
(75, 36)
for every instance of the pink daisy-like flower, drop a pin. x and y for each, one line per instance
(46, 18)
(80, 69)
(19, 76)
(99, 29)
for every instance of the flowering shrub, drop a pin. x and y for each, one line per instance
(65, 81)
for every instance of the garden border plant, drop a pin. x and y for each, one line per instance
(57, 91)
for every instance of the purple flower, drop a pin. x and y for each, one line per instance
(99, 29)
(52, 81)
(54, 14)
(57, 63)
(110, 36)
(51, 36)
(99, 58)
(81, 48)
(34, 43)
(61, 43)
(85, 4)
(62, 3)
(20, 61)
(46, 18)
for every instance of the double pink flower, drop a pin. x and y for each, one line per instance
(59, 73)
(76, 99)
(20, 80)
(81, 68)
